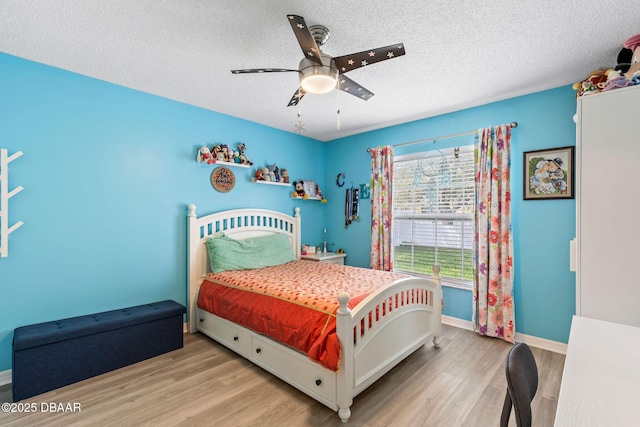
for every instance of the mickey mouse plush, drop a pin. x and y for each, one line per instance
(633, 44)
(627, 72)
(299, 186)
(624, 60)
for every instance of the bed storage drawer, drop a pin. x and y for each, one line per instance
(223, 331)
(300, 372)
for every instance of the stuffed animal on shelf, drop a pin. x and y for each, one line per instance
(259, 175)
(242, 147)
(226, 153)
(285, 176)
(204, 155)
(319, 194)
(265, 174)
(236, 157)
(272, 172)
(218, 154)
(299, 186)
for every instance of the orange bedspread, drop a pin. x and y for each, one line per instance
(293, 303)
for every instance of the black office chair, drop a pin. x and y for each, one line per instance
(522, 384)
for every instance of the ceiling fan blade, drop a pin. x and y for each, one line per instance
(262, 70)
(347, 85)
(350, 62)
(297, 96)
(305, 39)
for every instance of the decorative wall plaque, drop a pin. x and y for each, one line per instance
(223, 179)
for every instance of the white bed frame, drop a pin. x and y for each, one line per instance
(406, 325)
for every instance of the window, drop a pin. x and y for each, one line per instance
(433, 208)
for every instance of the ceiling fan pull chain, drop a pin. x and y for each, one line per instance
(338, 110)
(300, 124)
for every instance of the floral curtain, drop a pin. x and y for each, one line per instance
(381, 208)
(493, 310)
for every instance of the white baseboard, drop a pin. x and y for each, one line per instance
(5, 377)
(544, 344)
(458, 323)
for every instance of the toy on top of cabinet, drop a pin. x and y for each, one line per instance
(633, 44)
(626, 72)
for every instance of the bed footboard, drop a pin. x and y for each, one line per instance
(383, 330)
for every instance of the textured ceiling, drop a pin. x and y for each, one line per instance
(459, 53)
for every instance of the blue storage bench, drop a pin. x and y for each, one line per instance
(50, 355)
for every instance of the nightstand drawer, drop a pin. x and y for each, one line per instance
(339, 261)
(328, 257)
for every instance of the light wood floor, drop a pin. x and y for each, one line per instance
(460, 384)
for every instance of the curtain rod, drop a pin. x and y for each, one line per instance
(512, 125)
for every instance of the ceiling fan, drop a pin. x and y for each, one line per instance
(321, 73)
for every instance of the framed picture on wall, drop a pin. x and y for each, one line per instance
(549, 174)
(310, 188)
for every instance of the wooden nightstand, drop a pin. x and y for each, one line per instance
(329, 257)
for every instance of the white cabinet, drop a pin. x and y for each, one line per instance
(608, 206)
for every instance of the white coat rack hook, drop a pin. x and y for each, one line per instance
(5, 195)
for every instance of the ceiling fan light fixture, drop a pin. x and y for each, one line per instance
(318, 83)
(316, 78)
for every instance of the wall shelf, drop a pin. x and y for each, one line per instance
(232, 164)
(308, 198)
(5, 195)
(259, 181)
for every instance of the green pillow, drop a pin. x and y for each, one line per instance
(227, 254)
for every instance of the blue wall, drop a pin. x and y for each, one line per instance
(108, 172)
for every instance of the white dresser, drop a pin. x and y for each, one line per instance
(601, 376)
(608, 206)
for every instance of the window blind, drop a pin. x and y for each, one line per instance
(433, 208)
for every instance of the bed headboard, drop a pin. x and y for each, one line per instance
(237, 224)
